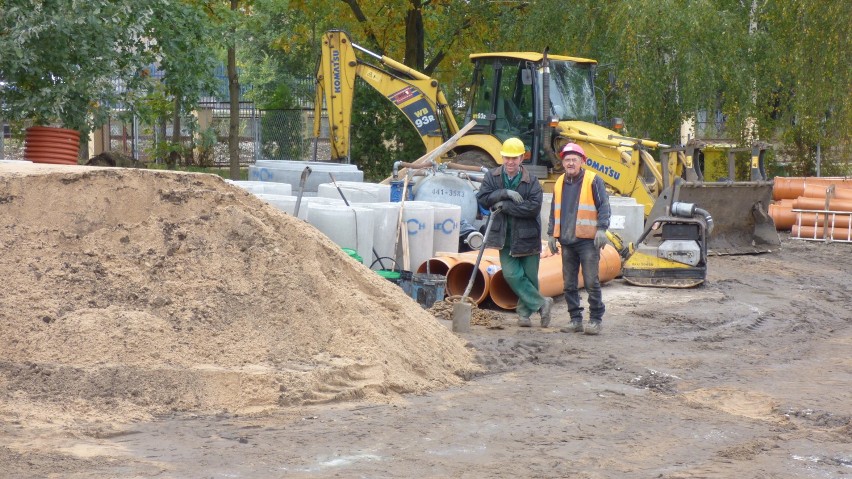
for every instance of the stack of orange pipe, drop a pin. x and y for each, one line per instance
(809, 194)
(489, 279)
(791, 188)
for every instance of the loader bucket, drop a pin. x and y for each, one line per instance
(739, 211)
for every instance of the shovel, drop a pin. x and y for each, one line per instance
(305, 173)
(462, 310)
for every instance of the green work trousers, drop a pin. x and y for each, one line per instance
(522, 275)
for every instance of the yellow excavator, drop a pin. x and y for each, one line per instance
(546, 101)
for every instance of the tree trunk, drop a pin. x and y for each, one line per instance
(161, 136)
(414, 48)
(234, 95)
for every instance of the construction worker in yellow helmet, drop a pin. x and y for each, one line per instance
(516, 229)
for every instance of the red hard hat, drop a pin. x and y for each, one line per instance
(572, 148)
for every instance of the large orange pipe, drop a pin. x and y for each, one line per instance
(459, 275)
(550, 282)
(818, 219)
(819, 191)
(818, 232)
(782, 215)
(794, 187)
(803, 203)
(438, 265)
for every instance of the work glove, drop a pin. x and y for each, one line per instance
(600, 239)
(552, 244)
(515, 196)
(496, 207)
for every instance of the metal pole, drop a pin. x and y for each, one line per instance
(818, 159)
(135, 143)
(2, 138)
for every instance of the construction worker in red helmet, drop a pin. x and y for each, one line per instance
(579, 218)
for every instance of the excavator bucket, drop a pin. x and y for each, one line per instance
(741, 224)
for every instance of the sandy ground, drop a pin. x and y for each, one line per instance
(748, 376)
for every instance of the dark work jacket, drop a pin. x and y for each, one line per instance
(570, 200)
(526, 220)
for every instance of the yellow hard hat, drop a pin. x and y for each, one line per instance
(513, 147)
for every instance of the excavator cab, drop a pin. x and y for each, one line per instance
(502, 100)
(507, 98)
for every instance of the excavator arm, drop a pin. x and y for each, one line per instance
(415, 94)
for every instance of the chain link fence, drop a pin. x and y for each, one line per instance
(263, 135)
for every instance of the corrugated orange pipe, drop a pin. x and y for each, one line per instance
(550, 282)
(818, 232)
(794, 187)
(803, 203)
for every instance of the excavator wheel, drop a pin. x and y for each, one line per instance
(475, 158)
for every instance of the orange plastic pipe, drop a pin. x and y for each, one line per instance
(783, 216)
(438, 265)
(818, 219)
(459, 275)
(550, 281)
(819, 191)
(804, 203)
(818, 232)
(794, 187)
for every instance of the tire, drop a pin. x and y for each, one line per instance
(475, 158)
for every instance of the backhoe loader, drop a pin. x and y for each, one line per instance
(546, 101)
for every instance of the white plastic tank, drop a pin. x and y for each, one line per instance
(419, 220)
(285, 171)
(266, 187)
(304, 211)
(301, 164)
(356, 192)
(447, 222)
(385, 227)
(285, 203)
(628, 218)
(348, 226)
(546, 202)
(449, 188)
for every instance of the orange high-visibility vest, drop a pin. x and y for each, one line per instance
(587, 213)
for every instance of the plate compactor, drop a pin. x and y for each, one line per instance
(671, 252)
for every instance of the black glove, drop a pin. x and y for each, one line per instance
(514, 196)
(552, 243)
(600, 239)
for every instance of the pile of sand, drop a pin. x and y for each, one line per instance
(128, 293)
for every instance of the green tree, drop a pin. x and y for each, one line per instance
(438, 36)
(185, 51)
(62, 60)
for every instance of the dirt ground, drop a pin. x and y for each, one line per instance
(747, 376)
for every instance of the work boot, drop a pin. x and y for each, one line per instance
(524, 322)
(575, 327)
(545, 312)
(593, 328)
